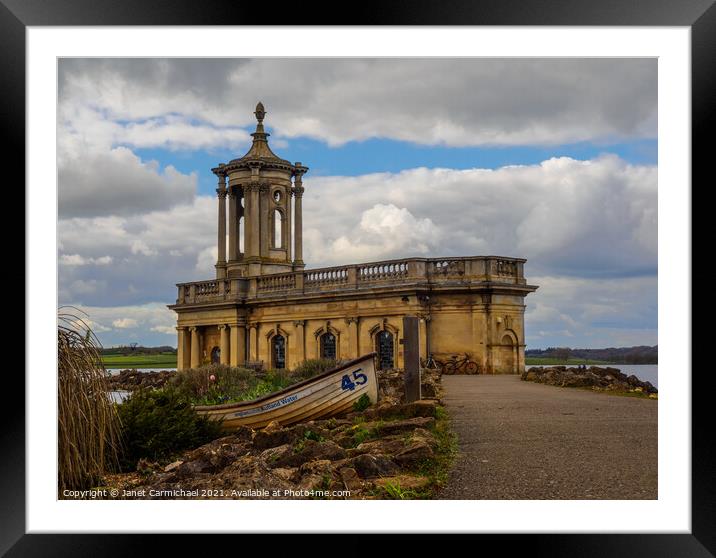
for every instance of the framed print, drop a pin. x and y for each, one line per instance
(293, 283)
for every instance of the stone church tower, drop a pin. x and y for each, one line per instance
(260, 190)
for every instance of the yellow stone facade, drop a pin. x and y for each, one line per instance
(265, 308)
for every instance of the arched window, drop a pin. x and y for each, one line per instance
(277, 229)
(278, 351)
(384, 345)
(328, 346)
(215, 355)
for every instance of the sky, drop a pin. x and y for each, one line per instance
(553, 160)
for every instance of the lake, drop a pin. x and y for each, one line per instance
(645, 372)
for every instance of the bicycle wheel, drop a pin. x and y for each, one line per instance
(471, 367)
(450, 368)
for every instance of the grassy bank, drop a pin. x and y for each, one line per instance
(163, 360)
(551, 361)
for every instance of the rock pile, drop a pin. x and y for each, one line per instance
(131, 379)
(391, 386)
(351, 457)
(607, 379)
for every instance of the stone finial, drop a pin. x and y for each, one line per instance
(260, 112)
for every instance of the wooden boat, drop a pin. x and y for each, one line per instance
(328, 394)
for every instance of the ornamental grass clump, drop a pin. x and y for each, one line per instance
(88, 429)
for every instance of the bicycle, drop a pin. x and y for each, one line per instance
(430, 363)
(461, 365)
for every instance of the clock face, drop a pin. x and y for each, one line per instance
(277, 196)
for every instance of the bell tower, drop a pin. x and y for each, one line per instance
(260, 188)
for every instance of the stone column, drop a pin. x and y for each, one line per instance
(300, 327)
(264, 219)
(221, 261)
(253, 342)
(224, 350)
(239, 215)
(253, 215)
(298, 219)
(181, 349)
(238, 345)
(232, 224)
(195, 352)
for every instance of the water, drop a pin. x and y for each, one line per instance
(645, 372)
(119, 395)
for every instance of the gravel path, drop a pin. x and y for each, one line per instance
(525, 441)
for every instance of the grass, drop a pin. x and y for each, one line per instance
(394, 492)
(532, 361)
(89, 439)
(436, 469)
(163, 360)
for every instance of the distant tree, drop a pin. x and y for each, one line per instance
(562, 353)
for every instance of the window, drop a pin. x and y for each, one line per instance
(215, 355)
(278, 351)
(328, 346)
(384, 342)
(277, 229)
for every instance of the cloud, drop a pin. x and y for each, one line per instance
(594, 217)
(384, 231)
(76, 259)
(118, 324)
(118, 182)
(124, 323)
(593, 312)
(426, 101)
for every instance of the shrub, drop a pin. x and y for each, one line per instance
(313, 367)
(362, 403)
(88, 429)
(228, 383)
(159, 424)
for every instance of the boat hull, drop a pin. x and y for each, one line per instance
(326, 395)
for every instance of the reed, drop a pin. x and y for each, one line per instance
(88, 429)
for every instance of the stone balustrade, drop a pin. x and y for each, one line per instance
(422, 272)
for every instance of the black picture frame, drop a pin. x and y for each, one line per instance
(17, 15)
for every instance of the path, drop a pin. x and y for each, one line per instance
(521, 440)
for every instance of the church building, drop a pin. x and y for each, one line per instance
(264, 307)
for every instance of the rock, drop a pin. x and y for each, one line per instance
(275, 457)
(407, 425)
(371, 466)
(172, 466)
(272, 426)
(382, 446)
(420, 408)
(350, 479)
(146, 467)
(312, 451)
(414, 453)
(273, 435)
(287, 474)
